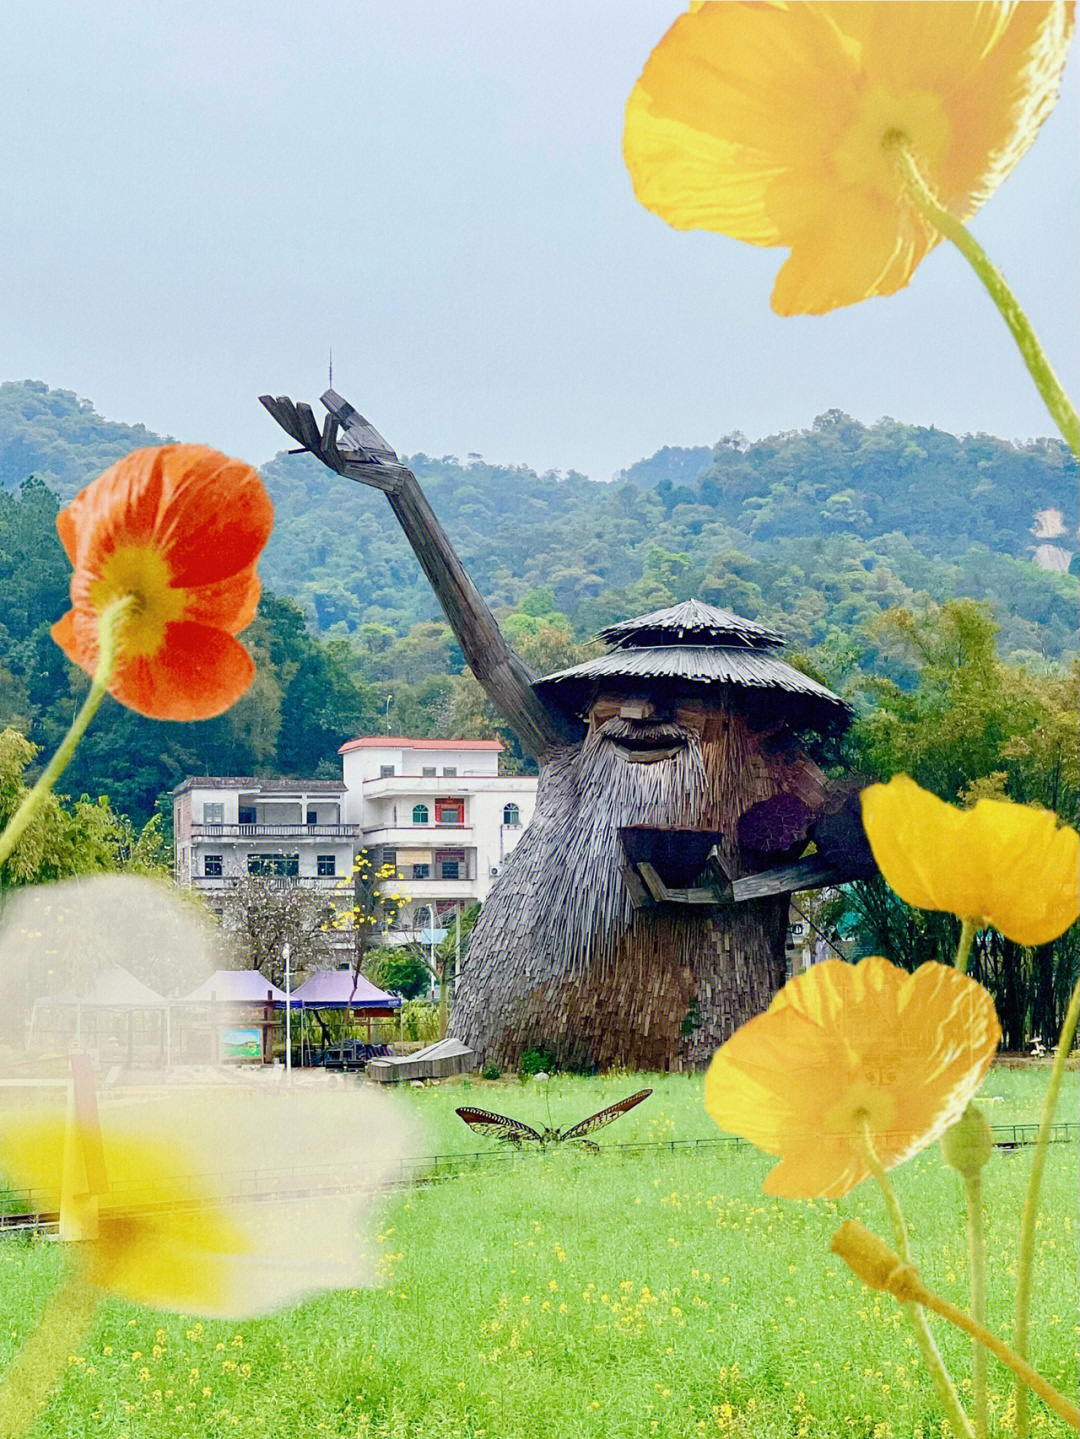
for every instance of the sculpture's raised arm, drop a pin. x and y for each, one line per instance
(352, 447)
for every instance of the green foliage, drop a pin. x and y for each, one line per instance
(67, 837)
(490, 1071)
(419, 1020)
(399, 970)
(967, 725)
(537, 1061)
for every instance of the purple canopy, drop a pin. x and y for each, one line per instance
(237, 986)
(337, 989)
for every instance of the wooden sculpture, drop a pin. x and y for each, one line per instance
(642, 916)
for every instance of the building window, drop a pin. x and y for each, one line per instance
(212, 866)
(213, 813)
(325, 865)
(277, 866)
(511, 814)
(450, 769)
(246, 816)
(420, 814)
(429, 771)
(421, 871)
(313, 816)
(449, 814)
(385, 771)
(389, 856)
(449, 868)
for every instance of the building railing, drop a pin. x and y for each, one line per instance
(341, 883)
(275, 831)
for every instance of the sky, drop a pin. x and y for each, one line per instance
(199, 201)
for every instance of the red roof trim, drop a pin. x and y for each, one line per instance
(400, 742)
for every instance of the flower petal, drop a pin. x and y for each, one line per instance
(1000, 863)
(843, 1046)
(215, 515)
(859, 247)
(197, 673)
(228, 605)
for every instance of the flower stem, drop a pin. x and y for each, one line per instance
(42, 1361)
(1027, 1377)
(963, 949)
(1049, 386)
(977, 1264)
(942, 1380)
(1025, 1266)
(32, 801)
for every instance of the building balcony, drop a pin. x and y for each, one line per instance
(420, 890)
(340, 884)
(419, 836)
(275, 831)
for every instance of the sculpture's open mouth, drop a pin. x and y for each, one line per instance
(646, 741)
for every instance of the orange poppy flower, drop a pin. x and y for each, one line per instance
(1000, 864)
(770, 122)
(846, 1045)
(179, 529)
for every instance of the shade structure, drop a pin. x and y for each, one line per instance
(237, 986)
(340, 989)
(115, 988)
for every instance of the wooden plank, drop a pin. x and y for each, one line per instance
(309, 430)
(812, 873)
(653, 883)
(639, 897)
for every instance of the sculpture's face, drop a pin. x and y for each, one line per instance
(647, 729)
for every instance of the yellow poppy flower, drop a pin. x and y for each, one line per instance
(211, 1201)
(770, 123)
(843, 1046)
(998, 864)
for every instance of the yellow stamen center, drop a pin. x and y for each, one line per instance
(867, 1101)
(142, 572)
(917, 118)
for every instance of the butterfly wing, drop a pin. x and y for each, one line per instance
(498, 1126)
(604, 1116)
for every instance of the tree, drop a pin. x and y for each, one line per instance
(400, 970)
(966, 726)
(261, 916)
(68, 837)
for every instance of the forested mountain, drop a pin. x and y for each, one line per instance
(819, 532)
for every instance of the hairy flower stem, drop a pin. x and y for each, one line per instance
(963, 949)
(42, 1361)
(977, 1264)
(946, 1389)
(1027, 1377)
(1025, 1266)
(32, 802)
(1049, 386)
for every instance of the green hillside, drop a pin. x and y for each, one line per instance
(822, 533)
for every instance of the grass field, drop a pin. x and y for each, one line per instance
(602, 1297)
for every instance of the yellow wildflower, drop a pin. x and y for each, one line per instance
(772, 123)
(998, 864)
(846, 1048)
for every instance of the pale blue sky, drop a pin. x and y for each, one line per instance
(197, 200)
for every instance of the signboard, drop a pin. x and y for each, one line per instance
(241, 1044)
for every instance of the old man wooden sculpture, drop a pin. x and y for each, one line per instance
(642, 916)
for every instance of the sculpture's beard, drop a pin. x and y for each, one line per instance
(565, 882)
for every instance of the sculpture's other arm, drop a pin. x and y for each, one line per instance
(352, 447)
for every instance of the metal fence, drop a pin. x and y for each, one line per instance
(23, 1209)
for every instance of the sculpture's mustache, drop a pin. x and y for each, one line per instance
(645, 741)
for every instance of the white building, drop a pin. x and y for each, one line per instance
(437, 809)
(440, 811)
(291, 830)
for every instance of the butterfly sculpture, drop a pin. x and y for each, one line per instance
(513, 1131)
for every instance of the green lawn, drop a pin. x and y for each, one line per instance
(564, 1295)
